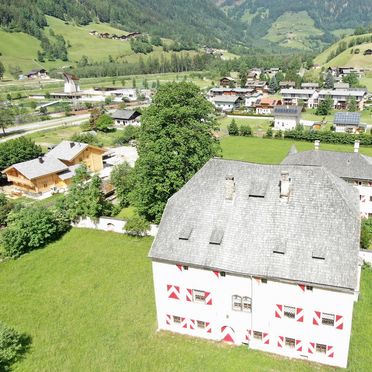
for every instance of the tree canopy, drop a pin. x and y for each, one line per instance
(175, 141)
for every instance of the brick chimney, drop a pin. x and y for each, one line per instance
(356, 146)
(316, 144)
(285, 183)
(229, 187)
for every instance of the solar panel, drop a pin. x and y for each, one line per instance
(216, 237)
(185, 233)
(347, 118)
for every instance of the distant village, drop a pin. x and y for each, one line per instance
(106, 35)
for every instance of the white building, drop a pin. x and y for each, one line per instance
(236, 259)
(293, 96)
(353, 168)
(252, 100)
(348, 122)
(286, 117)
(227, 103)
(341, 97)
(71, 83)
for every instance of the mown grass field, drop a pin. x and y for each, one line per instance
(292, 30)
(345, 58)
(256, 124)
(272, 151)
(87, 302)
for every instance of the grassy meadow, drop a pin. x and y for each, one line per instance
(87, 302)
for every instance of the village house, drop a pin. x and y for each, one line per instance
(227, 82)
(54, 170)
(286, 117)
(252, 100)
(341, 97)
(287, 84)
(126, 117)
(39, 73)
(347, 122)
(305, 96)
(312, 86)
(341, 86)
(242, 92)
(227, 103)
(71, 83)
(258, 86)
(266, 105)
(271, 72)
(261, 255)
(354, 168)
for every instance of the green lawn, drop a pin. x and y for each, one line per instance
(53, 136)
(272, 151)
(257, 124)
(87, 302)
(365, 116)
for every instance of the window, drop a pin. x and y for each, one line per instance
(80, 160)
(199, 296)
(176, 319)
(290, 342)
(185, 267)
(257, 335)
(328, 319)
(289, 312)
(370, 198)
(222, 273)
(200, 324)
(45, 185)
(236, 303)
(247, 304)
(320, 348)
(263, 280)
(309, 287)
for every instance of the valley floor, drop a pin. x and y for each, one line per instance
(87, 302)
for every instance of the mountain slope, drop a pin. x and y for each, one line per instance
(327, 15)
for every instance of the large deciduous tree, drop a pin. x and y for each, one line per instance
(175, 141)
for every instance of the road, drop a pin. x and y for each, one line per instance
(21, 130)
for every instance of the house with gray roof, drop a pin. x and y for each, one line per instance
(126, 117)
(261, 255)
(227, 103)
(347, 122)
(353, 167)
(286, 117)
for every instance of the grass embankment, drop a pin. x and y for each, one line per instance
(87, 302)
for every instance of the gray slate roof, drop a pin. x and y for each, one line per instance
(287, 111)
(67, 150)
(125, 114)
(322, 215)
(69, 172)
(347, 165)
(347, 118)
(40, 167)
(226, 98)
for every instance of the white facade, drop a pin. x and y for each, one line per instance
(289, 319)
(250, 101)
(293, 96)
(285, 123)
(365, 192)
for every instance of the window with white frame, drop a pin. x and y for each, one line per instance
(328, 319)
(257, 335)
(321, 348)
(200, 324)
(290, 342)
(176, 319)
(289, 312)
(247, 304)
(199, 296)
(236, 303)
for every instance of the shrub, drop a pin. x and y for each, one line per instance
(233, 129)
(129, 133)
(366, 233)
(31, 228)
(11, 346)
(6, 207)
(269, 133)
(137, 226)
(88, 138)
(245, 130)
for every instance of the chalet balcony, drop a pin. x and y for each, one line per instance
(20, 181)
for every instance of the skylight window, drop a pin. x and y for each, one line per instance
(318, 254)
(258, 188)
(216, 237)
(185, 233)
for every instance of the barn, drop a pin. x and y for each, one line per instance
(261, 255)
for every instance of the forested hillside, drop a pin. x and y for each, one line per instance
(193, 21)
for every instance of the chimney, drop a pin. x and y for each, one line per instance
(285, 182)
(229, 187)
(41, 160)
(72, 144)
(317, 144)
(356, 146)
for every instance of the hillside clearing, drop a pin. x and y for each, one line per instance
(87, 301)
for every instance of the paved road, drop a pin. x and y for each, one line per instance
(21, 130)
